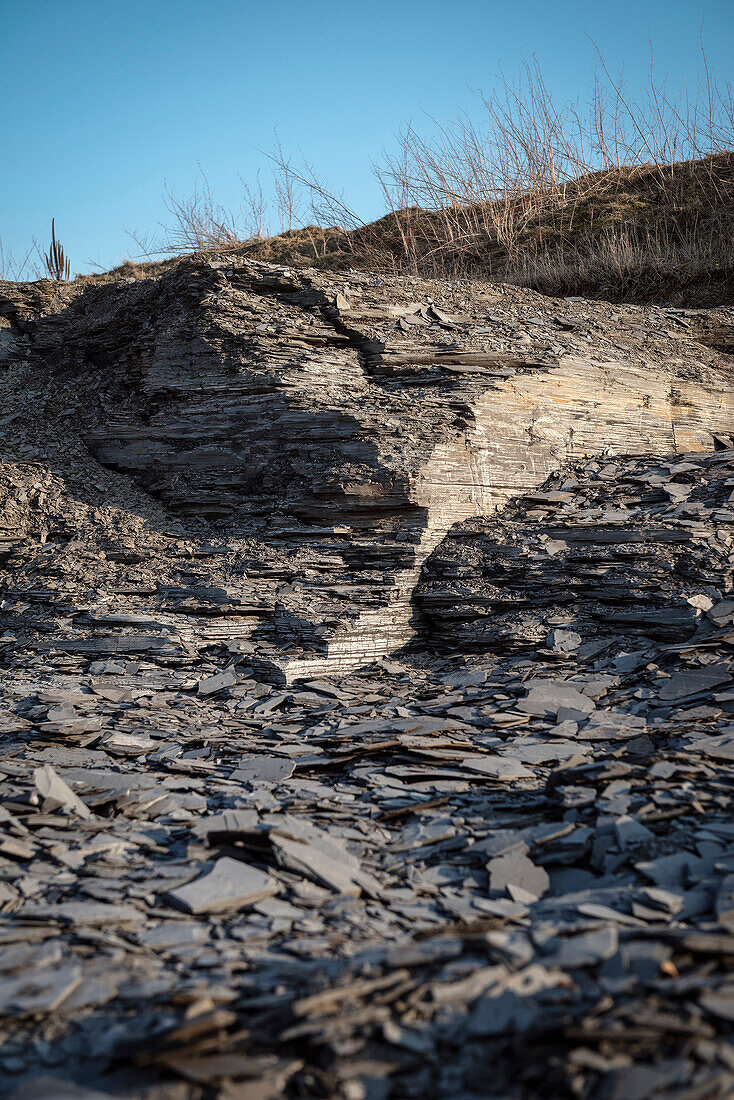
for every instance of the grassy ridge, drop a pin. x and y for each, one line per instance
(634, 234)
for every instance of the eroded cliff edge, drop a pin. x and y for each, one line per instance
(309, 440)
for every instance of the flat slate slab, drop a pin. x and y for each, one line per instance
(229, 885)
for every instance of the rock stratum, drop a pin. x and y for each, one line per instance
(368, 690)
(345, 426)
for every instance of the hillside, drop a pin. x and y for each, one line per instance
(367, 688)
(651, 233)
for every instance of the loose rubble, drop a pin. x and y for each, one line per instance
(496, 862)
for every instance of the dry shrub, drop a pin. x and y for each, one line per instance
(628, 185)
(529, 173)
(199, 223)
(531, 191)
(17, 270)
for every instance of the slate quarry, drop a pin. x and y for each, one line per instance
(367, 715)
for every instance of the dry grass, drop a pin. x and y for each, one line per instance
(531, 173)
(637, 262)
(629, 196)
(623, 234)
(14, 269)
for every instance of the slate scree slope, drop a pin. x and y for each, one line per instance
(252, 844)
(347, 424)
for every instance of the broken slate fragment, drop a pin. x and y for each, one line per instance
(725, 902)
(230, 824)
(684, 684)
(57, 794)
(82, 914)
(720, 1004)
(547, 697)
(496, 767)
(39, 991)
(260, 768)
(563, 641)
(613, 725)
(56, 1088)
(630, 833)
(306, 859)
(586, 949)
(517, 870)
(219, 682)
(230, 884)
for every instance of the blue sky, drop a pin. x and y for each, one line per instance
(103, 102)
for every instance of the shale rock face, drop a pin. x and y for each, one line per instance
(609, 555)
(497, 863)
(346, 425)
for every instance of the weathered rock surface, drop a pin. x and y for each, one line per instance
(350, 422)
(628, 552)
(497, 864)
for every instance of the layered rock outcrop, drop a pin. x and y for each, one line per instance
(609, 556)
(334, 429)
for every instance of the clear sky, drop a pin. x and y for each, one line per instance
(103, 102)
